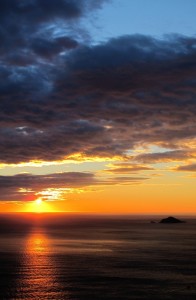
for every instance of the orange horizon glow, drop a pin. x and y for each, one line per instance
(167, 193)
(115, 200)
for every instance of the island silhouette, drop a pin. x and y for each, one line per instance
(171, 220)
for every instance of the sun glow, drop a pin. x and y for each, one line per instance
(45, 200)
(39, 206)
(38, 201)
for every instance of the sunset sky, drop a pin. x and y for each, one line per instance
(98, 106)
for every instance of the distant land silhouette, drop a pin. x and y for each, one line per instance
(171, 220)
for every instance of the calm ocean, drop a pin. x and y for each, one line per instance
(64, 256)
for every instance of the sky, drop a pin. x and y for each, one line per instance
(98, 106)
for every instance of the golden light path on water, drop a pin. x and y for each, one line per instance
(38, 278)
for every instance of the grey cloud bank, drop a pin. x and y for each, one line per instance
(60, 96)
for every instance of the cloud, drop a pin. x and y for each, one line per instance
(48, 144)
(186, 168)
(27, 23)
(66, 97)
(167, 156)
(28, 187)
(48, 48)
(125, 180)
(25, 186)
(34, 34)
(127, 168)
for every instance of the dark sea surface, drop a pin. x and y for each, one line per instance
(64, 256)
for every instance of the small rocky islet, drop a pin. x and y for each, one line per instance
(169, 220)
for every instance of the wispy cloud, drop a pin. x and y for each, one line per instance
(27, 187)
(186, 168)
(167, 156)
(127, 168)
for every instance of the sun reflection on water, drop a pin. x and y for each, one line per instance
(37, 243)
(39, 274)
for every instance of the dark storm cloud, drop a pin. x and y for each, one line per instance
(140, 89)
(49, 48)
(40, 9)
(51, 144)
(98, 100)
(26, 187)
(33, 28)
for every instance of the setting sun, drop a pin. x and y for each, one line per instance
(38, 201)
(39, 206)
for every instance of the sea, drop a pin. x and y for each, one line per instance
(91, 257)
